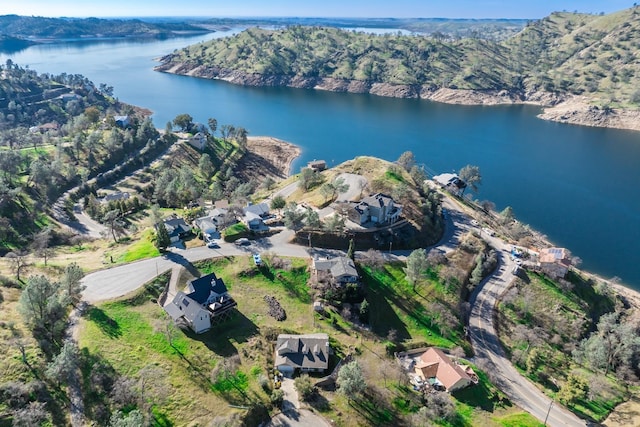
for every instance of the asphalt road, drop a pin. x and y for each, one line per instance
(487, 346)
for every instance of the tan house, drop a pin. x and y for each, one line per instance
(435, 364)
(555, 262)
(198, 141)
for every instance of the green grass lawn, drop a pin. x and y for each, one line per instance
(394, 305)
(142, 248)
(130, 336)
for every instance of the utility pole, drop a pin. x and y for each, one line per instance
(548, 411)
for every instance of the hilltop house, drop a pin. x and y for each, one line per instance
(377, 209)
(555, 262)
(451, 182)
(198, 141)
(306, 353)
(204, 299)
(122, 121)
(342, 269)
(437, 368)
(317, 165)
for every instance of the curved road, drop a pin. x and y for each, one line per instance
(118, 281)
(487, 346)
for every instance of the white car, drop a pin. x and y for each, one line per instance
(489, 231)
(475, 223)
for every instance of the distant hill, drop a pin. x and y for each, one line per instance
(564, 57)
(490, 29)
(45, 28)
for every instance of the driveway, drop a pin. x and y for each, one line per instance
(356, 185)
(292, 415)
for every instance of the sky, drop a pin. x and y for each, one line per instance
(305, 8)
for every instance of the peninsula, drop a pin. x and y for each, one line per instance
(581, 68)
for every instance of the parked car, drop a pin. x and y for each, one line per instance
(213, 245)
(474, 223)
(243, 241)
(257, 260)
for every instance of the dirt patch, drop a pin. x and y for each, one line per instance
(266, 157)
(625, 414)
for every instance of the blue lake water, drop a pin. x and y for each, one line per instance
(575, 184)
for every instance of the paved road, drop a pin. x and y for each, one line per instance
(487, 346)
(118, 281)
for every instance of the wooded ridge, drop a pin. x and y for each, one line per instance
(555, 58)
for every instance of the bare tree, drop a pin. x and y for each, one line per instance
(41, 245)
(17, 262)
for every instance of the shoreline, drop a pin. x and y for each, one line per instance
(267, 156)
(560, 108)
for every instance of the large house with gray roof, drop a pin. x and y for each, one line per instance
(376, 209)
(204, 299)
(304, 353)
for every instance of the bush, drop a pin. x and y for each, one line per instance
(304, 387)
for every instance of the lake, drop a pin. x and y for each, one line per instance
(575, 184)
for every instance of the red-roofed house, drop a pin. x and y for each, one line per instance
(555, 262)
(435, 364)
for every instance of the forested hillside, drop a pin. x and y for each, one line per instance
(55, 132)
(561, 55)
(40, 27)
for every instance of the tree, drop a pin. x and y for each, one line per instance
(333, 188)
(304, 387)
(308, 179)
(313, 219)
(293, 218)
(112, 219)
(374, 259)
(471, 176)
(184, 122)
(134, 418)
(35, 414)
(334, 222)
(162, 237)
(350, 380)
(418, 175)
(71, 283)
(213, 125)
(277, 397)
(43, 309)
(615, 344)
(417, 265)
(278, 202)
(575, 388)
(64, 364)
(406, 160)
(17, 262)
(507, 215)
(205, 166)
(41, 245)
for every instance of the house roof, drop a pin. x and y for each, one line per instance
(183, 305)
(206, 223)
(260, 209)
(445, 178)
(310, 351)
(120, 195)
(338, 266)
(204, 286)
(554, 255)
(378, 199)
(446, 371)
(343, 266)
(176, 226)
